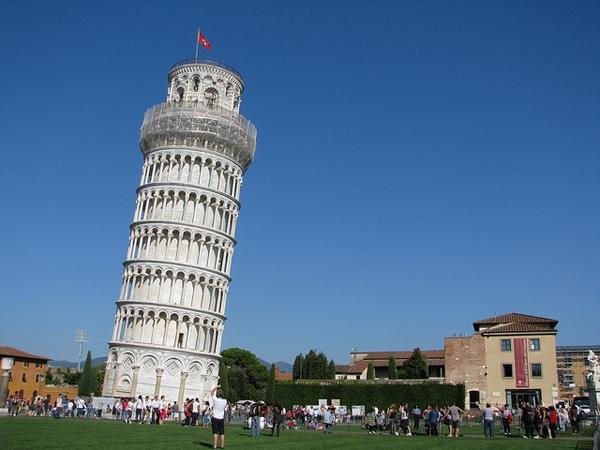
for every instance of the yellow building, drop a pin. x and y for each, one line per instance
(28, 374)
(509, 359)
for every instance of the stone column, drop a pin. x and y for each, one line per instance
(7, 365)
(134, 381)
(108, 375)
(159, 373)
(184, 376)
(116, 379)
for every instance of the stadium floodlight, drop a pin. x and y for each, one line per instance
(81, 337)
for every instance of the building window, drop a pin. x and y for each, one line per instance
(534, 344)
(507, 371)
(26, 364)
(506, 345)
(24, 378)
(536, 370)
(180, 93)
(38, 364)
(38, 378)
(211, 97)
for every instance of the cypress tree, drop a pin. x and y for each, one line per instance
(87, 382)
(270, 394)
(331, 370)
(298, 367)
(392, 371)
(224, 380)
(370, 371)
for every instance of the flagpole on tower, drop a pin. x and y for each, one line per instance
(197, 43)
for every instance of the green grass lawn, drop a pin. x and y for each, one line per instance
(43, 432)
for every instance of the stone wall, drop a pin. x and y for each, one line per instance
(465, 363)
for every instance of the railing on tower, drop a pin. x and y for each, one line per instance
(190, 61)
(180, 120)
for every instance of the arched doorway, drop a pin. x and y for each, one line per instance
(473, 399)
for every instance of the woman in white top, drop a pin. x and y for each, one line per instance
(218, 404)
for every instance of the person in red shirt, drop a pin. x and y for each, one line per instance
(553, 421)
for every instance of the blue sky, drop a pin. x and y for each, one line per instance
(420, 165)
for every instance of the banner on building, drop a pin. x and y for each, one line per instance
(521, 363)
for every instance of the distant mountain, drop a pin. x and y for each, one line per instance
(72, 365)
(281, 365)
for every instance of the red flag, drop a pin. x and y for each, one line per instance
(202, 40)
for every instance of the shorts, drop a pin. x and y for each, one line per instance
(455, 424)
(218, 426)
(404, 423)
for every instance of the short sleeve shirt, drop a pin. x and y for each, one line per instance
(218, 405)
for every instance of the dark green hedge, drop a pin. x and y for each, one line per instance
(370, 394)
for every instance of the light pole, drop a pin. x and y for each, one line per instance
(81, 337)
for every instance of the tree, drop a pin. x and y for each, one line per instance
(310, 365)
(270, 394)
(392, 371)
(331, 370)
(224, 380)
(298, 367)
(87, 382)
(100, 371)
(370, 371)
(72, 378)
(247, 376)
(415, 367)
(49, 379)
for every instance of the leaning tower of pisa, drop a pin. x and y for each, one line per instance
(171, 310)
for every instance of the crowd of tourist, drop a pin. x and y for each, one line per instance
(529, 421)
(535, 422)
(61, 407)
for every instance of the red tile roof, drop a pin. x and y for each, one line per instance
(16, 353)
(518, 328)
(381, 359)
(401, 355)
(515, 323)
(514, 317)
(355, 368)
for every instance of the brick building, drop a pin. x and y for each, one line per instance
(508, 359)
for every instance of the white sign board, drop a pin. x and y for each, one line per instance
(358, 410)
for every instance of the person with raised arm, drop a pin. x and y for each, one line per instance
(218, 404)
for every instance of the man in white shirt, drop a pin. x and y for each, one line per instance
(139, 409)
(488, 420)
(59, 407)
(155, 411)
(80, 407)
(218, 404)
(147, 410)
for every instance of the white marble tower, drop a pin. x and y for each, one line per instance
(171, 310)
